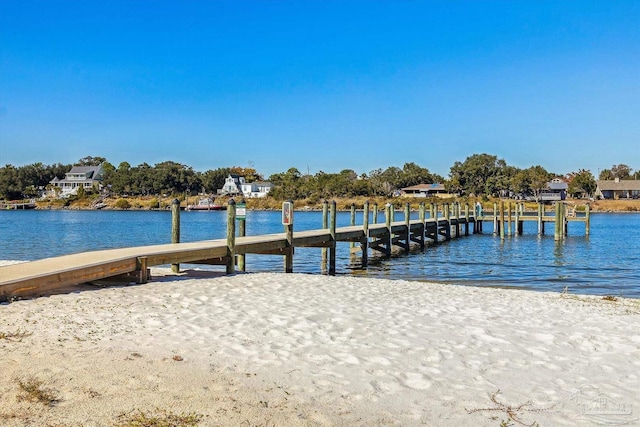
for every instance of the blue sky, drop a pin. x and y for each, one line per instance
(321, 85)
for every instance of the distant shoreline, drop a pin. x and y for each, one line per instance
(342, 204)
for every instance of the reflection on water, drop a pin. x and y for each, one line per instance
(605, 263)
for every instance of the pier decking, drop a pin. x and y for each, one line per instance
(132, 264)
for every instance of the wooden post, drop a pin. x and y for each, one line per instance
(466, 219)
(587, 219)
(332, 231)
(565, 220)
(407, 223)
(143, 270)
(496, 224)
(352, 223)
(364, 243)
(540, 222)
(516, 223)
(501, 222)
(242, 231)
(175, 229)
(447, 217)
(432, 210)
(557, 235)
(231, 236)
(325, 225)
(509, 223)
(521, 224)
(375, 212)
(288, 257)
(388, 215)
(434, 207)
(422, 215)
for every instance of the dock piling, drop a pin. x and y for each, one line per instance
(364, 242)
(325, 225)
(288, 231)
(175, 229)
(231, 237)
(332, 232)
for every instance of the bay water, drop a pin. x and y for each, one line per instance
(605, 263)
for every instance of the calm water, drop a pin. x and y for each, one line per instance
(605, 263)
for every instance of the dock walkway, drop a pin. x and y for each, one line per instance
(132, 264)
(45, 275)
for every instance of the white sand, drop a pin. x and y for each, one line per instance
(273, 349)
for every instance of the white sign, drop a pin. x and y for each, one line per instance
(287, 213)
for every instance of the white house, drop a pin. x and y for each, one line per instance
(232, 185)
(425, 190)
(256, 189)
(79, 176)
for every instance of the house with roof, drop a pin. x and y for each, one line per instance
(617, 189)
(425, 190)
(232, 185)
(555, 190)
(79, 176)
(256, 189)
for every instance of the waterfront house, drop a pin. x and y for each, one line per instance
(425, 190)
(256, 189)
(617, 189)
(555, 190)
(232, 185)
(79, 176)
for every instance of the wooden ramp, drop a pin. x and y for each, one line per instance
(46, 275)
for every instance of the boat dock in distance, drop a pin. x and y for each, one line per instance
(17, 205)
(444, 222)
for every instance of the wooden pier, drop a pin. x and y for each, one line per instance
(508, 219)
(17, 205)
(443, 223)
(132, 264)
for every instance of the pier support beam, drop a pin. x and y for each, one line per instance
(325, 225)
(422, 215)
(389, 235)
(587, 220)
(231, 237)
(332, 232)
(242, 231)
(558, 231)
(364, 242)
(175, 229)
(407, 218)
(501, 221)
(447, 217)
(466, 219)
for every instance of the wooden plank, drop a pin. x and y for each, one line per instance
(38, 284)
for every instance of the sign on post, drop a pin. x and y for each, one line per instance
(241, 211)
(287, 213)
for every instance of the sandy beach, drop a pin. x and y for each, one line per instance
(270, 349)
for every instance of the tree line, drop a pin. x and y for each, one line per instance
(478, 175)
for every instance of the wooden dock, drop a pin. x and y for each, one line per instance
(508, 219)
(132, 264)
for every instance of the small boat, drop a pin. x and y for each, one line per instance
(206, 204)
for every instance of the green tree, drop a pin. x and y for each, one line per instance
(479, 174)
(287, 184)
(538, 179)
(582, 183)
(10, 187)
(213, 180)
(621, 171)
(91, 161)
